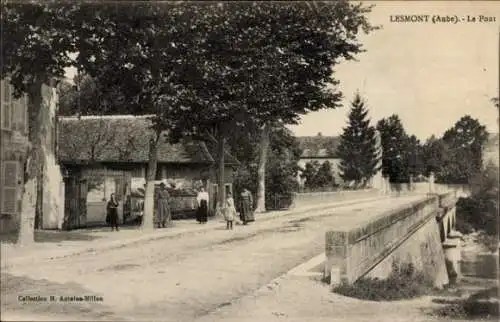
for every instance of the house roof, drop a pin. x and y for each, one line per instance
(318, 146)
(122, 138)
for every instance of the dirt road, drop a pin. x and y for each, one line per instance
(176, 279)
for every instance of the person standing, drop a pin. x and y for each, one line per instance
(246, 206)
(229, 211)
(202, 211)
(162, 206)
(112, 212)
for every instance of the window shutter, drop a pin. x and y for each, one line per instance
(26, 114)
(6, 116)
(16, 115)
(6, 106)
(10, 175)
(19, 115)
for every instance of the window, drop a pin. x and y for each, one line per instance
(19, 115)
(139, 172)
(6, 105)
(8, 189)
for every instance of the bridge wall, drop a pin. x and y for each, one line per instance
(407, 234)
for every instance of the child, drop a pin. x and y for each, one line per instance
(229, 211)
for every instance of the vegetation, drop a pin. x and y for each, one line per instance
(318, 177)
(404, 282)
(357, 150)
(483, 304)
(281, 169)
(480, 210)
(36, 42)
(456, 157)
(202, 69)
(401, 153)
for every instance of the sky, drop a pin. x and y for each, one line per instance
(429, 74)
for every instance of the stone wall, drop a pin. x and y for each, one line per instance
(407, 234)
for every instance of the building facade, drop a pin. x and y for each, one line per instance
(319, 149)
(101, 155)
(14, 134)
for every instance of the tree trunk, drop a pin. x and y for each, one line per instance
(148, 216)
(261, 172)
(220, 179)
(32, 167)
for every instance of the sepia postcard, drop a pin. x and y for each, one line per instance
(268, 161)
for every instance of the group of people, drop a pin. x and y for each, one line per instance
(228, 208)
(162, 206)
(163, 213)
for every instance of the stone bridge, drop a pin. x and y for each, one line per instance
(421, 233)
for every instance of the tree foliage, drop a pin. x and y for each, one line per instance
(357, 149)
(318, 176)
(36, 42)
(87, 97)
(281, 169)
(464, 145)
(480, 210)
(394, 142)
(269, 61)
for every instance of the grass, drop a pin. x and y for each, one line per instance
(483, 304)
(404, 282)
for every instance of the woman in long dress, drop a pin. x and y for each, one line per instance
(202, 211)
(162, 206)
(112, 212)
(246, 207)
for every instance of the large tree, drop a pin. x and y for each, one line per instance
(394, 143)
(435, 156)
(36, 42)
(414, 156)
(143, 53)
(358, 147)
(465, 142)
(268, 63)
(281, 168)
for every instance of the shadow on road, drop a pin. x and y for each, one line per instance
(47, 236)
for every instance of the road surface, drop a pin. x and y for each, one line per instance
(175, 279)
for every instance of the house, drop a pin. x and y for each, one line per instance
(14, 130)
(101, 155)
(319, 149)
(14, 138)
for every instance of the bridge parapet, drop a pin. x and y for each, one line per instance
(446, 215)
(354, 251)
(447, 200)
(406, 234)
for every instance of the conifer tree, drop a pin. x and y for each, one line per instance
(357, 149)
